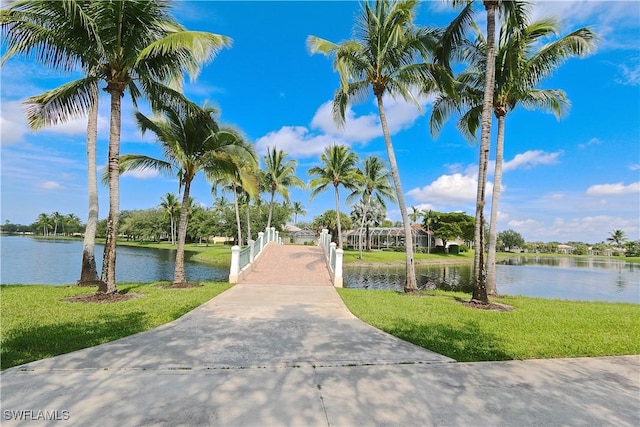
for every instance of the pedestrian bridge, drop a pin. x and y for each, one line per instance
(267, 261)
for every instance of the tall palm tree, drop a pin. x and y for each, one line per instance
(339, 168)
(135, 45)
(278, 175)
(374, 187)
(242, 182)
(297, 209)
(522, 61)
(143, 45)
(513, 12)
(192, 142)
(387, 55)
(617, 237)
(61, 35)
(171, 206)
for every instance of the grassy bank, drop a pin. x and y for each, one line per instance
(393, 258)
(37, 323)
(398, 258)
(536, 328)
(214, 254)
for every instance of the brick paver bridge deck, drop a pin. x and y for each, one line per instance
(290, 265)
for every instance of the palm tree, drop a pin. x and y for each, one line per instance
(278, 176)
(617, 237)
(339, 167)
(192, 142)
(44, 221)
(57, 218)
(386, 55)
(415, 214)
(522, 61)
(513, 12)
(134, 45)
(374, 187)
(369, 214)
(298, 209)
(243, 182)
(171, 206)
(47, 27)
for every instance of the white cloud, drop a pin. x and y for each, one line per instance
(616, 189)
(78, 127)
(592, 141)
(142, 173)
(630, 74)
(361, 129)
(12, 123)
(304, 142)
(526, 224)
(50, 185)
(634, 167)
(297, 141)
(531, 158)
(449, 190)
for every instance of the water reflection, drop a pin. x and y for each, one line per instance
(592, 279)
(445, 277)
(55, 262)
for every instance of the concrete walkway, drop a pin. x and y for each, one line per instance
(266, 355)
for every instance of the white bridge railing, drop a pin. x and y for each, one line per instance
(242, 261)
(333, 256)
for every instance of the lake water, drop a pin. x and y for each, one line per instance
(25, 260)
(593, 279)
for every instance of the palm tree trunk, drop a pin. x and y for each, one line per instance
(270, 209)
(364, 218)
(248, 220)
(479, 283)
(338, 217)
(492, 289)
(237, 208)
(178, 274)
(173, 228)
(88, 271)
(411, 284)
(109, 258)
(368, 236)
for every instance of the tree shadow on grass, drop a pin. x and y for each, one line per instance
(41, 342)
(464, 343)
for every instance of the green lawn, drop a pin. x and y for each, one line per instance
(37, 324)
(389, 257)
(536, 328)
(213, 254)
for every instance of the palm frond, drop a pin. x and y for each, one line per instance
(60, 105)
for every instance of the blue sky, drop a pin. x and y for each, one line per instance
(576, 179)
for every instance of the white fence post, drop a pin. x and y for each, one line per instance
(235, 264)
(261, 238)
(251, 251)
(337, 274)
(272, 234)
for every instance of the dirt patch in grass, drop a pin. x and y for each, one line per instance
(100, 298)
(491, 306)
(185, 285)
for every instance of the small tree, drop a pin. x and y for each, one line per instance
(510, 239)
